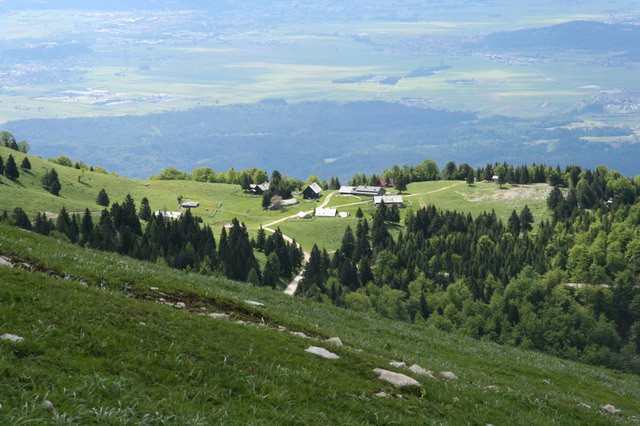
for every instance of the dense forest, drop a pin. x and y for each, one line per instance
(330, 138)
(568, 286)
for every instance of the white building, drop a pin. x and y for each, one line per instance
(388, 200)
(326, 212)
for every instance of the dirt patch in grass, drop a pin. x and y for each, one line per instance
(516, 192)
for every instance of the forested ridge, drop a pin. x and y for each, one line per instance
(568, 287)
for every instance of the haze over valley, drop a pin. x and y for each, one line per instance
(270, 79)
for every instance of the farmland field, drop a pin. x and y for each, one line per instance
(154, 61)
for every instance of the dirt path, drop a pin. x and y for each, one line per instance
(293, 285)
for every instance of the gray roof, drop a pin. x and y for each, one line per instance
(315, 188)
(388, 199)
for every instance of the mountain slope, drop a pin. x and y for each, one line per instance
(101, 345)
(595, 37)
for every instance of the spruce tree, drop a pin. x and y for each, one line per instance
(394, 214)
(145, 210)
(63, 222)
(86, 229)
(266, 200)
(50, 181)
(348, 243)
(102, 199)
(365, 274)
(513, 224)
(359, 213)
(313, 272)
(470, 177)
(1, 166)
(26, 164)
(526, 219)
(20, 219)
(42, 225)
(271, 272)
(11, 169)
(261, 239)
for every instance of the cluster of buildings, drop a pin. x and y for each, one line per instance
(311, 192)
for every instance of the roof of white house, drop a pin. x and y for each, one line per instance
(302, 215)
(344, 214)
(190, 204)
(326, 212)
(315, 188)
(388, 199)
(362, 190)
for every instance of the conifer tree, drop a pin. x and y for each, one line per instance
(266, 200)
(424, 308)
(86, 229)
(42, 225)
(145, 210)
(1, 166)
(349, 275)
(102, 199)
(313, 272)
(394, 214)
(11, 169)
(50, 181)
(261, 239)
(513, 224)
(401, 182)
(365, 274)
(271, 271)
(26, 164)
(348, 244)
(63, 222)
(470, 177)
(526, 219)
(359, 213)
(20, 219)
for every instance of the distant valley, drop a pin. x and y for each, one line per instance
(326, 138)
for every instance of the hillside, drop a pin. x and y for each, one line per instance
(594, 37)
(102, 344)
(220, 203)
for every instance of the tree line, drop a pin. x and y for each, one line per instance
(182, 243)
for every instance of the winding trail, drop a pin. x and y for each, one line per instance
(293, 285)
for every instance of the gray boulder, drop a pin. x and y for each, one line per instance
(448, 375)
(321, 352)
(11, 337)
(396, 379)
(334, 341)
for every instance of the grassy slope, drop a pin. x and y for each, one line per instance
(108, 352)
(220, 203)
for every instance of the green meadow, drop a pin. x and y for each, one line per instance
(220, 203)
(103, 345)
